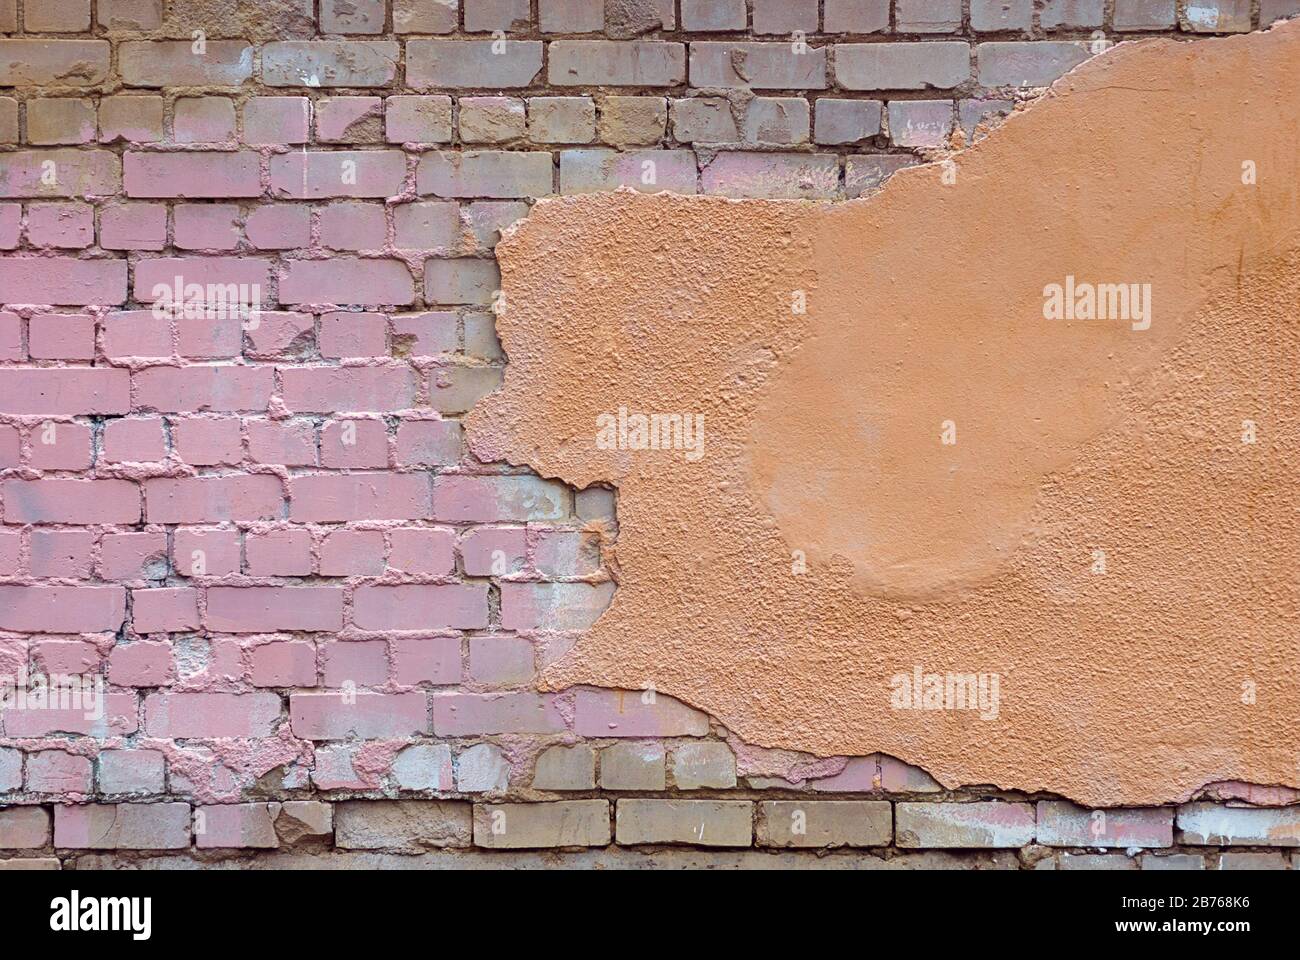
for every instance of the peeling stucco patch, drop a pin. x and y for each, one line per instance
(1100, 536)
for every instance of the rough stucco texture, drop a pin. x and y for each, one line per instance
(823, 437)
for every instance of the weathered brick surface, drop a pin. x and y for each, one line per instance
(981, 824)
(1220, 825)
(706, 823)
(824, 823)
(561, 823)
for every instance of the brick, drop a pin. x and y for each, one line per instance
(776, 120)
(428, 442)
(197, 552)
(202, 387)
(57, 16)
(342, 173)
(482, 16)
(291, 443)
(212, 498)
(1243, 860)
(633, 766)
(203, 120)
(561, 119)
(67, 226)
(1273, 10)
(1171, 861)
(560, 823)
(61, 336)
(131, 771)
(361, 496)
(281, 226)
(118, 718)
(140, 664)
(366, 446)
(758, 66)
(277, 120)
(211, 715)
(983, 824)
(192, 175)
(331, 63)
(259, 609)
(331, 716)
(8, 120)
(165, 609)
(62, 281)
(704, 764)
(135, 15)
(990, 16)
(566, 553)
(867, 174)
(1217, 16)
(410, 825)
(347, 281)
(236, 826)
(714, 15)
(131, 119)
(565, 768)
(493, 551)
(482, 768)
(553, 606)
(174, 63)
(776, 176)
(610, 63)
(501, 660)
(1062, 824)
(939, 64)
(571, 16)
(357, 663)
(349, 120)
(974, 113)
(31, 863)
(1214, 824)
(38, 63)
(460, 281)
(425, 16)
(1091, 861)
(59, 173)
(483, 499)
(920, 123)
(24, 828)
(466, 714)
(486, 173)
(631, 713)
(785, 16)
(433, 660)
(54, 771)
(283, 664)
(824, 823)
(278, 553)
(491, 119)
(846, 121)
(420, 607)
(418, 120)
(481, 337)
(927, 16)
(133, 556)
(133, 226)
(1072, 14)
(424, 766)
(1030, 64)
(61, 553)
(123, 826)
(855, 16)
(633, 121)
(298, 820)
(60, 120)
(1144, 14)
(704, 120)
(353, 226)
(706, 823)
(352, 16)
(457, 64)
(71, 501)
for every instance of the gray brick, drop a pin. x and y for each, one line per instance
(123, 826)
(492, 174)
(1143, 14)
(776, 120)
(425, 16)
(1217, 16)
(559, 823)
(330, 63)
(24, 828)
(633, 121)
(970, 113)
(561, 119)
(704, 120)
(482, 768)
(1072, 14)
(173, 63)
(633, 766)
(759, 66)
(846, 121)
(472, 63)
(773, 176)
(855, 16)
(824, 823)
(461, 280)
(1271, 10)
(613, 63)
(302, 819)
(484, 16)
(566, 768)
(785, 17)
(941, 64)
(418, 119)
(410, 825)
(1027, 64)
(927, 16)
(131, 771)
(1214, 824)
(1063, 824)
(649, 171)
(571, 16)
(424, 766)
(351, 16)
(1172, 861)
(491, 119)
(487, 218)
(1095, 861)
(704, 15)
(705, 823)
(983, 824)
(1247, 860)
(632, 18)
(990, 16)
(704, 764)
(920, 123)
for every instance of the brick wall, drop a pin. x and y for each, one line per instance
(311, 618)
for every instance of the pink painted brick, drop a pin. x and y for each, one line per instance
(62, 281)
(278, 553)
(192, 174)
(61, 553)
(10, 446)
(467, 714)
(183, 715)
(284, 663)
(10, 548)
(118, 719)
(634, 713)
(24, 828)
(347, 280)
(11, 334)
(332, 716)
(201, 338)
(165, 609)
(982, 824)
(277, 120)
(1062, 824)
(203, 119)
(279, 226)
(208, 499)
(206, 226)
(376, 174)
(359, 496)
(261, 609)
(11, 216)
(433, 226)
(1215, 824)
(291, 443)
(199, 552)
(501, 660)
(140, 664)
(566, 553)
(553, 606)
(60, 446)
(74, 392)
(353, 225)
(159, 63)
(131, 119)
(208, 441)
(71, 501)
(67, 657)
(360, 663)
(134, 440)
(201, 387)
(329, 63)
(348, 119)
(428, 442)
(53, 771)
(154, 276)
(122, 826)
(424, 334)
(137, 335)
(342, 389)
(493, 551)
(479, 499)
(344, 334)
(66, 226)
(354, 444)
(772, 176)
(434, 660)
(82, 172)
(422, 551)
(352, 553)
(420, 607)
(133, 556)
(61, 336)
(133, 226)
(899, 777)
(236, 826)
(131, 771)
